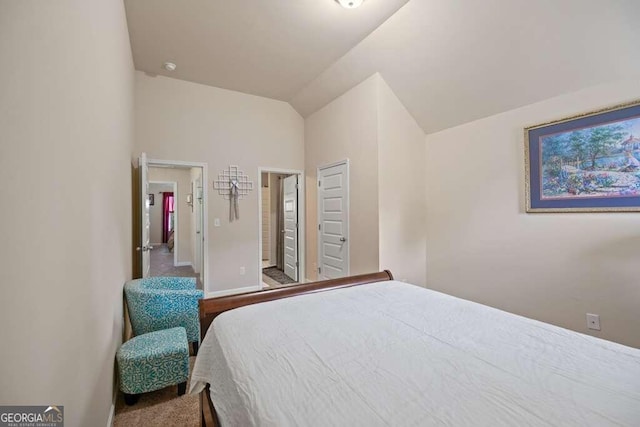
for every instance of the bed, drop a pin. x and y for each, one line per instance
(368, 350)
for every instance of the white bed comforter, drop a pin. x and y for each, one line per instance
(395, 354)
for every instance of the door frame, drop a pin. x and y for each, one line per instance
(205, 213)
(176, 232)
(348, 197)
(199, 212)
(302, 230)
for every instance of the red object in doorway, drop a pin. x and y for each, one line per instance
(167, 208)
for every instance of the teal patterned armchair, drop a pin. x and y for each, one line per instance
(157, 303)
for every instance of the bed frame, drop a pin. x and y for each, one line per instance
(210, 308)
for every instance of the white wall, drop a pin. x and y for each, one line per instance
(178, 120)
(346, 128)
(155, 212)
(401, 189)
(182, 176)
(66, 117)
(556, 267)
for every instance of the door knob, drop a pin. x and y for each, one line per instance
(342, 239)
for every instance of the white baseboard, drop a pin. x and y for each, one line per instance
(183, 264)
(234, 291)
(116, 388)
(112, 414)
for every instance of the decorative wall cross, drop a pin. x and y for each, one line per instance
(233, 184)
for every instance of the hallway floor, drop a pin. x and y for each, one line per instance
(268, 282)
(162, 265)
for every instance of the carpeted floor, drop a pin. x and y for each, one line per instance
(162, 265)
(160, 408)
(277, 275)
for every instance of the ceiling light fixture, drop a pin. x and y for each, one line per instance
(349, 4)
(169, 66)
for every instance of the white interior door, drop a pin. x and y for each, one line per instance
(333, 221)
(199, 236)
(145, 217)
(291, 227)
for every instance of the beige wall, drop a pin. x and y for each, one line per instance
(555, 267)
(66, 116)
(178, 120)
(184, 243)
(346, 128)
(386, 150)
(155, 212)
(401, 189)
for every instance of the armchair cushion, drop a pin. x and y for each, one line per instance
(157, 303)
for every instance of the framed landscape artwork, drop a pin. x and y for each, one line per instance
(586, 163)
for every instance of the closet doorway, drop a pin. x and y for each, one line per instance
(281, 227)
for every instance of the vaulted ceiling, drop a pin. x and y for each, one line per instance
(270, 48)
(449, 61)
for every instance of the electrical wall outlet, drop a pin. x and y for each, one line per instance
(593, 321)
(242, 271)
(216, 222)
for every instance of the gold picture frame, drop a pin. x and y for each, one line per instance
(588, 162)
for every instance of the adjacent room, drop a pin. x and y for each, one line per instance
(280, 228)
(175, 221)
(320, 212)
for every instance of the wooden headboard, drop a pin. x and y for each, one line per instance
(212, 307)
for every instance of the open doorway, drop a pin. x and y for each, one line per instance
(281, 217)
(163, 213)
(176, 220)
